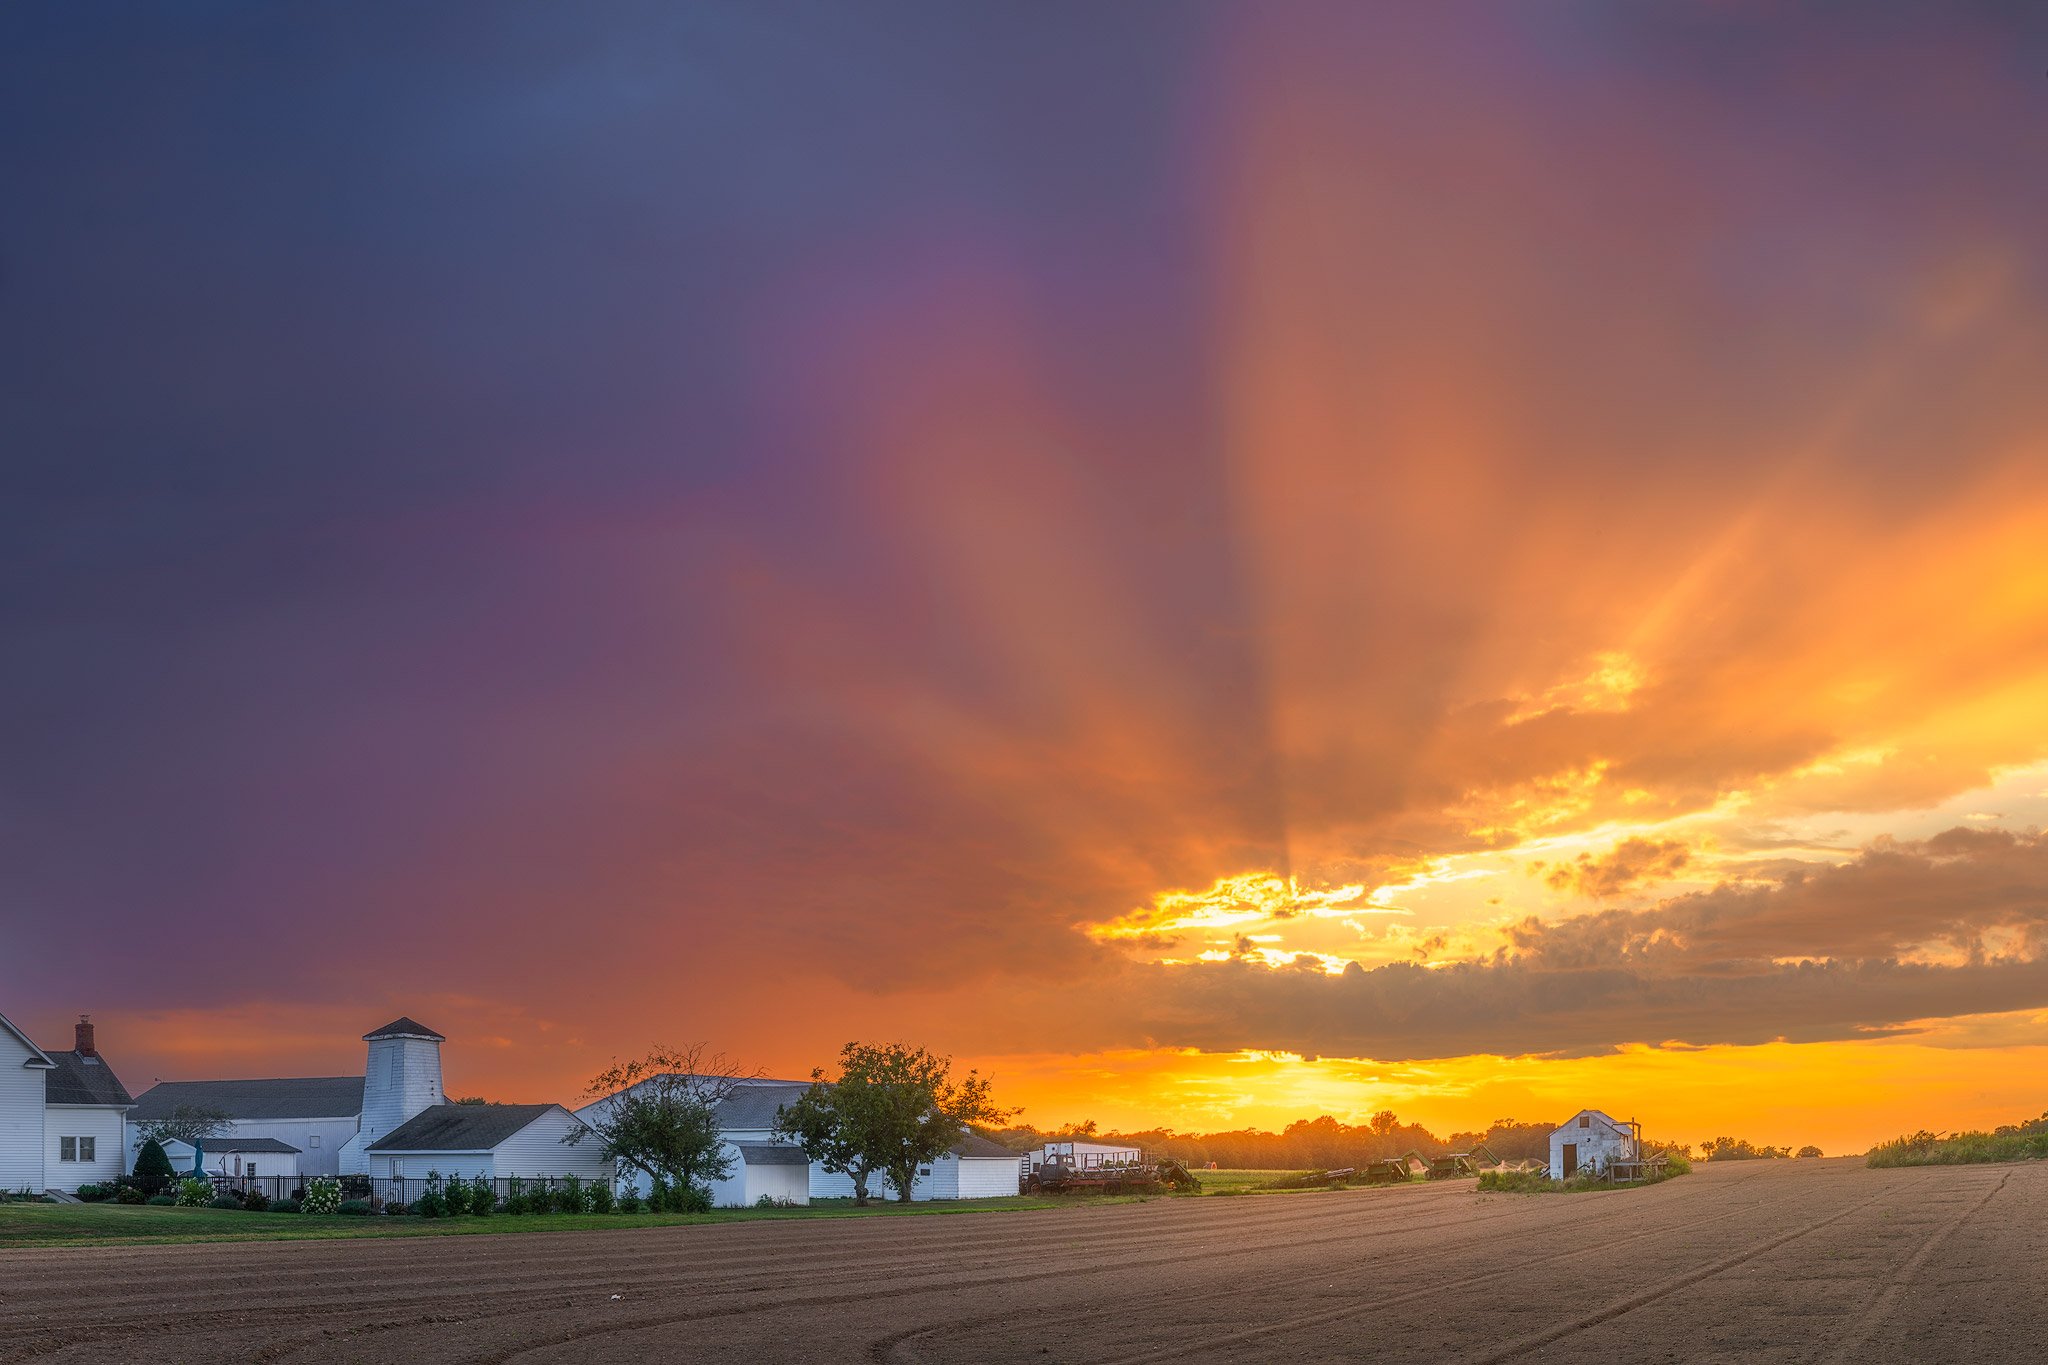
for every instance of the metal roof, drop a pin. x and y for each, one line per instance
(975, 1145)
(302, 1097)
(404, 1026)
(764, 1154)
(460, 1127)
(84, 1078)
(232, 1145)
(754, 1104)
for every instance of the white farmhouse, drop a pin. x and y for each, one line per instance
(495, 1141)
(762, 1164)
(1591, 1140)
(60, 1113)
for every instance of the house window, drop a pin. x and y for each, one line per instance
(1585, 1121)
(67, 1149)
(88, 1149)
(313, 1142)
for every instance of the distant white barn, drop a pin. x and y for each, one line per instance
(763, 1165)
(1592, 1140)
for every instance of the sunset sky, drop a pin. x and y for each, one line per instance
(1220, 562)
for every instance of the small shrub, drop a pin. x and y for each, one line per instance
(193, 1192)
(153, 1171)
(629, 1202)
(600, 1197)
(130, 1194)
(91, 1194)
(454, 1197)
(569, 1198)
(393, 1209)
(432, 1204)
(349, 1208)
(483, 1197)
(224, 1201)
(162, 1201)
(324, 1196)
(690, 1199)
(255, 1200)
(285, 1205)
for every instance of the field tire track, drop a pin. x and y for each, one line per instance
(1882, 1305)
(1628, 1303)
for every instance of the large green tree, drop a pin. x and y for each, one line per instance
(891, 1110)
(660, 1115)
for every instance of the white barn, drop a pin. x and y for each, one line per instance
(327, 1120)
(495, 1141)
(61, 1113)
(1593, 1140)
(762, 1162)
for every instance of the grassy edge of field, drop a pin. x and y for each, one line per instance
(1960, 1149)
(1528, 1182)
(43, 1226)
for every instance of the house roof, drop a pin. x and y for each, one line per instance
(37, 1058)
(404, 1026)
(459, 1127)
(765, 1154)
(975, 1145)
(84, 1078)
(244, 1145)
(302, 1097)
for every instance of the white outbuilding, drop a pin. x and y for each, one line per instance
(1592, 1140)
(495, 1141)
(237, 1157)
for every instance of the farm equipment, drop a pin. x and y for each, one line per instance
(1393, 1170)
(1115, 1177)
(1450, 1166)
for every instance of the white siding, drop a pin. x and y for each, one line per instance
(321, 1158)
(984, 1177)
(826, 1185)
(538, 1149)
(102, 1125)
(401, 1078)
(21, 1117)
(223, 1163)
(1596, 1144)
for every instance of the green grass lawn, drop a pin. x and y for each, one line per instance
(48, 1225)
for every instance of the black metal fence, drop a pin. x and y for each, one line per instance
(384, 1191)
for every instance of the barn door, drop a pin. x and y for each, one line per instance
(1571, 1159)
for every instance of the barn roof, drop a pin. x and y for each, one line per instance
(1601, 1115)
(753, 1105)
(83, 1078)
(404, 1026)
(300, 1097)
(975, 1145)
(459, 1127)
(767, 1154)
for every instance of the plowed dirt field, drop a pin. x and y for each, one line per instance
(1752, 1262)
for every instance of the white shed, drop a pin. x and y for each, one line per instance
(231, 1156)
(495, 1141)
(777, 1172)
(975, 1168)
(1593, 1140)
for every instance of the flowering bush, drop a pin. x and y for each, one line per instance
(193, 1192)
(322, 1196)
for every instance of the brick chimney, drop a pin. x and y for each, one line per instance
(85, 1047)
